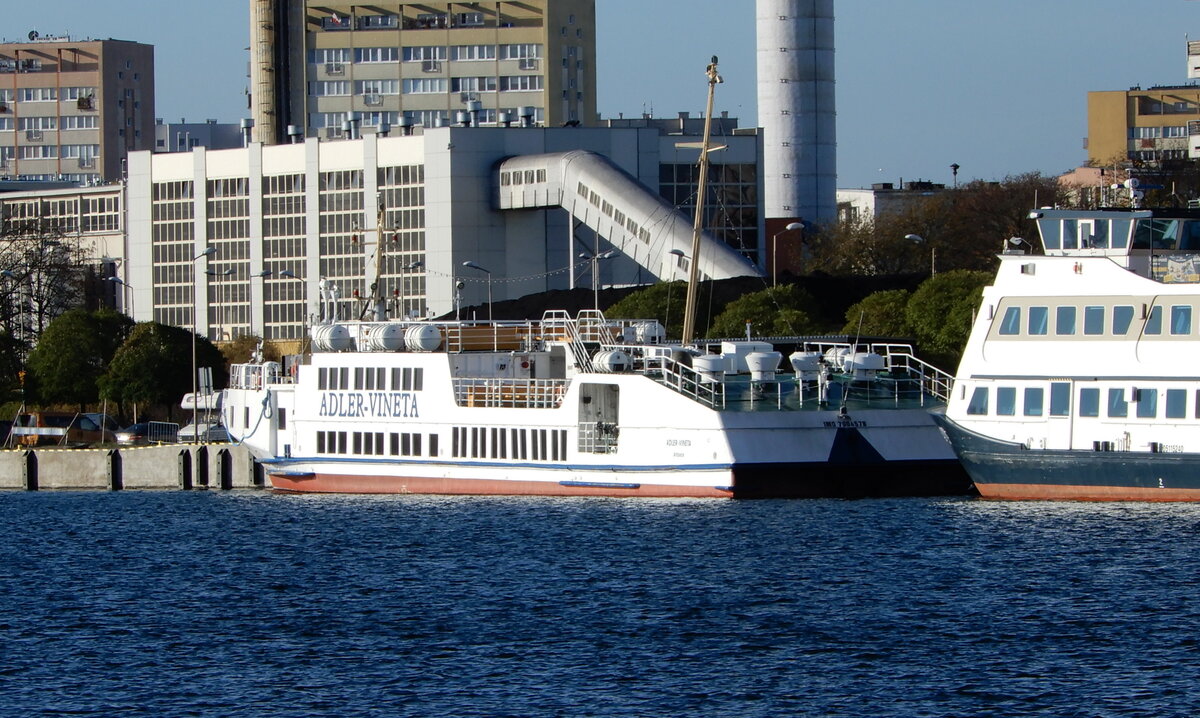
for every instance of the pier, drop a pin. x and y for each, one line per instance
(172, 466)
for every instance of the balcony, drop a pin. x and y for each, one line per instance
(378, 22)
(335, 22)
(33, 136)
(527, 63)
(372, 100)
(431, 66)
(87, 163)
(86, 103)
(335, 69)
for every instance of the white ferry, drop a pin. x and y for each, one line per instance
(1080, 377)
(588, 406)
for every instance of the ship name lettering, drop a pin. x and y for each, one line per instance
(376, 405)
(845, 424)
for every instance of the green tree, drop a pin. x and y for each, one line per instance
(942, 311)
(154, 367)
(242, 348)
(783, 310)
(662, 301)
(73, 353)
(881, 314)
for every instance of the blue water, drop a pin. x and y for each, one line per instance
(251, 604)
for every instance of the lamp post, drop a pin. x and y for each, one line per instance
(250, 299)
(792, 227)
(125, 287)
(595, 260)
(473, 265)
(918, 239)
(208, 252)
(678, 253)
(218, 276)
(403, 290)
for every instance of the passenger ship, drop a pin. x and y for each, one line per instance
(588, 406)
(1080, 380)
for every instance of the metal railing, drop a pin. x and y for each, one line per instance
(557, 324)
(510, 393)
(685, 380)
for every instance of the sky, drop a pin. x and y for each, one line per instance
(999, 88)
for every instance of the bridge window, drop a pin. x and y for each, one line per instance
(1011, 324)
(1060, 398)
(1093, 320)
(1034, 396)
(1154, 321)
(1122, 318)
(1064, 321)
(1117, 406)
(582, 190)
(978, 405)
(1038, 319)
(1176, 403)
(1006, 401)
(541, 175)
(1089, 402)
(529, 175)
(1147, 403)
(1181, 320)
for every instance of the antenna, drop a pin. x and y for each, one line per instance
(33, 35)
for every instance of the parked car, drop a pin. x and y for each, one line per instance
(206, 433)
(107, 423)
(64, 428)
(148, 432)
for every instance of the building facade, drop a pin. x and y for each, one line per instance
(395, 218)
(1141, 125)
(184, 136)
(72, 109)
(331, 70)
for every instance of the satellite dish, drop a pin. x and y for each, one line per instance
(33, 35)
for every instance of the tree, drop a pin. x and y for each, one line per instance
(942, 311)
(242, 348)
(775, 311)
(73, 353)
(663, 301)
(881, 314)
(153, 366)
(43, 263)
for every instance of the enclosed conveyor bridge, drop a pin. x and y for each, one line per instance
(619, 208)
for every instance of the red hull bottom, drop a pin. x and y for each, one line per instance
(347, 484)
(1052, 492)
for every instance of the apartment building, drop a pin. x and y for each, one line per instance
(73, 109)
(333, 70)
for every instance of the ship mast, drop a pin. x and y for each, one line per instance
(689, 311)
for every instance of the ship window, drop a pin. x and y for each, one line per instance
(433, 444)
(1060, 399)
(1068, 234)
(395, 378)
(1034, 396)
(1006, 401)
(1093, 320)
(979, 402)
(418, 379)
(1147, 403)
(1011, 324)
(394, 442)
(503, 443)
(406, 381)
(369, 380)
(406, 444)
(494, 442)
(358, 442)
(1117, 406)
(341, 442)
(1089, 402)
(1095, 234)
(282, 413)
(322, 378)
(416, 444)
(320, 442)
(1181, 320)
(344, 377)
(1064, 321)
(1176, 404)
(1120, 233)
(1050, 233)
(381, 378)
(1190, 237)
(1154, 321)
(1038, 319)
(358, 378)
(1122, 318)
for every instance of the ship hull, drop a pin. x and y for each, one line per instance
(761, 481)
(1007, 470)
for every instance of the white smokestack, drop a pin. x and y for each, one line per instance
(796, 109)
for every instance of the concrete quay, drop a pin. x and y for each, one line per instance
(171, 466)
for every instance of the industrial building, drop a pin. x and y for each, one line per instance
(73, 109)
(396, 217)
(335, 69)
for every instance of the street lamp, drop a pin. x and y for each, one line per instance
(402, 292)
(792, 227)
(473, 265)
(217, 276)
(678, 253)
(208, 252)
(250, 299)
(918, 239)
(125, 288)
(595, 260)
(1018, 241)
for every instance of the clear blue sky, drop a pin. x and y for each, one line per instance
(997, 87)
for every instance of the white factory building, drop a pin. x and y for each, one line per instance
(243, 237)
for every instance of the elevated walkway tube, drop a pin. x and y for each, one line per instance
(630, 216)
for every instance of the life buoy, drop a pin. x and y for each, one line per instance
(293, 371)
